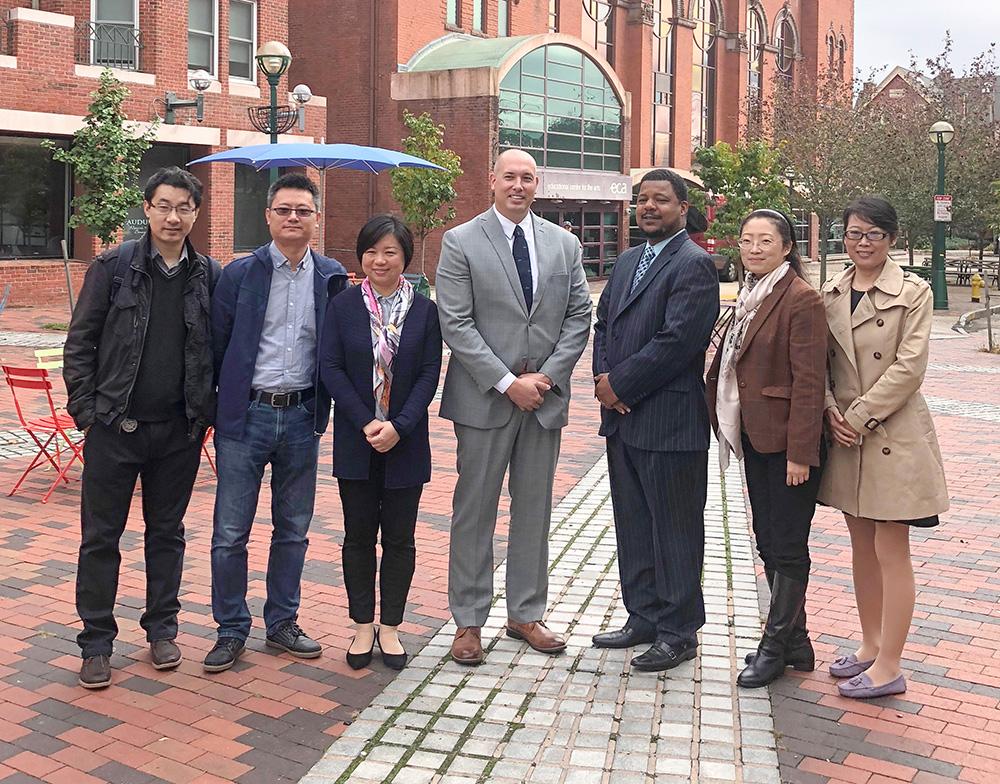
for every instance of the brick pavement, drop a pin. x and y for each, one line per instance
(946, 728)
(270, 719)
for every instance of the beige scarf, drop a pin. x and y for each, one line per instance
(727, 399)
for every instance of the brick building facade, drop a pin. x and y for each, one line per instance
(668, 75)
(51, 55)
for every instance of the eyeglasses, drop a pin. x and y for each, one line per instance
(764, 244)
(855, 235)
(183, 210)
(301, 212)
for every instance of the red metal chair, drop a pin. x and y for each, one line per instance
(204, 449)
(50, 433)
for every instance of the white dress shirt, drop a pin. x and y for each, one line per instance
(507, 226)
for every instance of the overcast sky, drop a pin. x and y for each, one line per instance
(886, 31)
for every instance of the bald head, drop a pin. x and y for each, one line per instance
(514, 180)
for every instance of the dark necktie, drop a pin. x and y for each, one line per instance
(647, 259)
(523, 263)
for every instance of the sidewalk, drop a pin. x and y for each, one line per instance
(580, 717)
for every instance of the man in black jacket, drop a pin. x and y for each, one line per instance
(138, 369)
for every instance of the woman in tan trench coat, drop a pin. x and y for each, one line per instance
(884, 469)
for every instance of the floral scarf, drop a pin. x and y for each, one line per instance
(385, 339)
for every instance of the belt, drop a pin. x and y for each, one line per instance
(282, 399)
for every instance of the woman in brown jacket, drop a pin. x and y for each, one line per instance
(765, 396)
(884, 471)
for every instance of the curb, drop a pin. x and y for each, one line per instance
(961, 325)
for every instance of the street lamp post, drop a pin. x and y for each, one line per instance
(273, 59)
(941, 134)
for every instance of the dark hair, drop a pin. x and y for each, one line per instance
(783, 225)
(676, 181)
(294, 181)
(874, 210)
(175, 178)
(381, 226)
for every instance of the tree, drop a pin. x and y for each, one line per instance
(826, 140)
(748, 177)
(425, 195)
(105, 155)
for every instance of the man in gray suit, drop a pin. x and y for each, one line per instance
(515, 310)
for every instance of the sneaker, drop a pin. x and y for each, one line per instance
(95, 673)
(224, 655)
(290, 638)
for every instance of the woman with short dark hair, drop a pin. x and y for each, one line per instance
(381, 364)
(884, 471)
(765, 396)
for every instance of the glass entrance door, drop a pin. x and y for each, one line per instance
(595, 225)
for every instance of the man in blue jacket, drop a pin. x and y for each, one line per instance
(267, 319)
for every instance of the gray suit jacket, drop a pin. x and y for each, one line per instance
(486, 324)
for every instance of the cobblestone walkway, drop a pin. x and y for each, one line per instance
(584, 717)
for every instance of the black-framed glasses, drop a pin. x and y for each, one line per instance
(855, 235)
(183, 210)
(301, 212)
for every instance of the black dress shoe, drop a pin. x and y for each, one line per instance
(164, 654)
(224, 655)
(394, 661)
(358, 661)
(622, 638)
(662, 656)
(291, 639)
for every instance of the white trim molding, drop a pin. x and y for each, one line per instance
(41, 17)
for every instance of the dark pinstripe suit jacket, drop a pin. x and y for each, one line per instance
(652, 341)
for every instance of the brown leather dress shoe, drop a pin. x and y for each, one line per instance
(165, 654)
(467, 647)
(537, 635)
(95, 673)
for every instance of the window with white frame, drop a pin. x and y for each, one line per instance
(115, 34)
(202, 18)
(242, 38)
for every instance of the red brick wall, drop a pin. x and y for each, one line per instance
(39, 282)
(45, 53)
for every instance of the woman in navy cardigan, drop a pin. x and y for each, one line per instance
(381, 364)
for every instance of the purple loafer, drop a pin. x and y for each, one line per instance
(860, 687)
(848, 666)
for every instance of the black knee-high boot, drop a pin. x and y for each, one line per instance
(787, 599)
(799, 651)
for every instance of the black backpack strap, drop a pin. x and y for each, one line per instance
(126, 252)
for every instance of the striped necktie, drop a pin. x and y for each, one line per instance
(644, 262)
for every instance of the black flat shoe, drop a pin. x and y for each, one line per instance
(394, 661)
(358, 661)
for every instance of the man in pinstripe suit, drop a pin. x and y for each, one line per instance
(654, 321)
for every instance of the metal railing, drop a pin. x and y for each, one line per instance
(108, 43)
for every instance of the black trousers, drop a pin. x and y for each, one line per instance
(782, 515)
(659, 505)
(370, 507)
(167, 460)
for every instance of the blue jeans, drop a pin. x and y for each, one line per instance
(284, 438)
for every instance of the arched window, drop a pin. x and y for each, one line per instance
(755, 51)
(842, 57)
(786, 45)
(599, 27)
(703, 14)
(557, 104)
(663, 81)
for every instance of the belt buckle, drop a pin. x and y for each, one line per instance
(281, 399)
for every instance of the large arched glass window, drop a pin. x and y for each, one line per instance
(786, 45)
(558, 105)
(704, 16)
(663, 81)
(598, 27)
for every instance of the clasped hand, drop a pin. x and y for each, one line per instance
(606, 395)
(381, 435)
(528, 390)
(843, 434)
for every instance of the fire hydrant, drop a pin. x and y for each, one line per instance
(977, 283)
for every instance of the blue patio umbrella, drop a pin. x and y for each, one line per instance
(318, 156)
